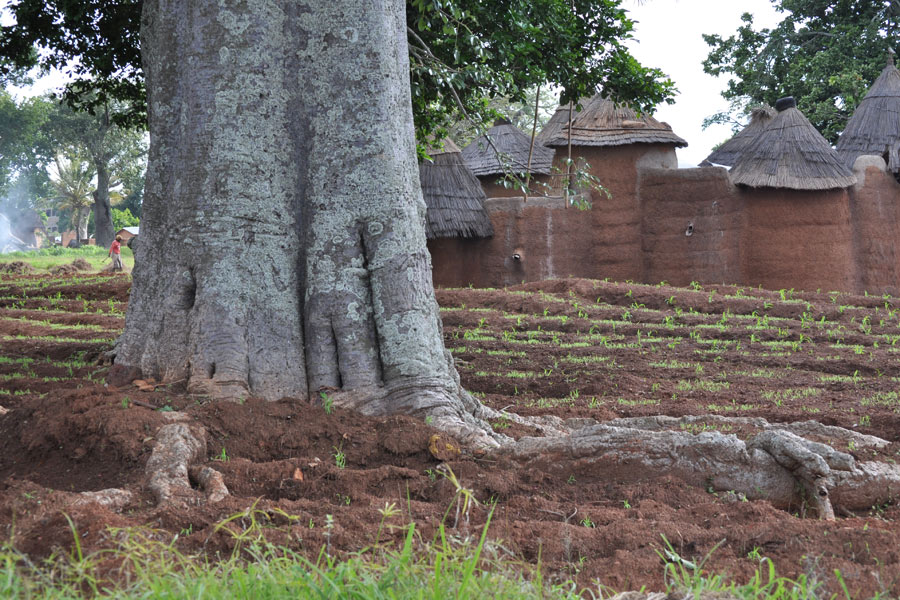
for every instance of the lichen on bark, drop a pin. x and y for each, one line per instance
(283, 246)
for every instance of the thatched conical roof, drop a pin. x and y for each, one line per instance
(789, 153)
(602, 122)
(453, 195)
(513, 146)
(728, 153)
(874, 127)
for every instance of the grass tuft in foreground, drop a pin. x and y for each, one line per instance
(143, 566)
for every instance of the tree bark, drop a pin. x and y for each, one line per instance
(283, 245)
(103, 225)
(82, 216)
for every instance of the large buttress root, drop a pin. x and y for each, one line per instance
(777, 464)
(373, 330)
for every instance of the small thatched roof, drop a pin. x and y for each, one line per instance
(453, 195)
(874, 127)
(789, 153)
(602, 122)
(728, 153)
(513, 146)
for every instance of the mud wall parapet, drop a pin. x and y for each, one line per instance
(683, 225)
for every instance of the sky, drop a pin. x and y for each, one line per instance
(667, 36)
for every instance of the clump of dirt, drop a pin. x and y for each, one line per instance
(16, 267)
(77, 265)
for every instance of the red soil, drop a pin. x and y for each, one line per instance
(67, 431)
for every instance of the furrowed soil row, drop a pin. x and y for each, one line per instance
(568, 348)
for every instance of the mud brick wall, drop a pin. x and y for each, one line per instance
(617, 220)
(691, 226)
(798, 239)
(549, 239)
(847, 240)
(875, 213)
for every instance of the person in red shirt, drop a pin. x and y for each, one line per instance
(115, 251)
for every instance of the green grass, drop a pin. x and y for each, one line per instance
(47, 258)
(443, 568)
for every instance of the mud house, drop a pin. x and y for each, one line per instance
(128, 232)
(728, 152)
(791, 212)
(456, 219)
(504, 149)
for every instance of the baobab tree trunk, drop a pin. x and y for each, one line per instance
(283, 246)
(103, 225)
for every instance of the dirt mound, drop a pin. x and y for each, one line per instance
(570, 349)
(81, 264)
(16, 267)
(77, 265)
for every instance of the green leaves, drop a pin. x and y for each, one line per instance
(826, 54)
(462, 53)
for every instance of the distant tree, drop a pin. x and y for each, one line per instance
(24, 149)
(72, 180)
(112, 149)
(825, 53)
(124, 218)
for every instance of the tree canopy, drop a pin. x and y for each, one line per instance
(825, 53)
(462, 53)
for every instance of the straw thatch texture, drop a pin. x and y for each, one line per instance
(789, 153)
(602, 122)
(728, 153)
(874, 127)
(454, 197)
(513, 146)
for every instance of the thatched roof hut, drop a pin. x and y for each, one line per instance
(874, 127)
(513, 146)
(602, 122)
(789, 153)
(728, 153)
(453, 196)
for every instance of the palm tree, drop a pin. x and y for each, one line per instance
(72, 178)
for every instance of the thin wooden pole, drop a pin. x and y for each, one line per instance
(537, 98)
(569, 156)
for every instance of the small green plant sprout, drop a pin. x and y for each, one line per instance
(464, 499)
(755, 555)
(248, 526)
(389, 511)
(222, 456)
(432, 475)
(626, 504)
(327, 402)
(501, 423)
(571, 480)
(586, 522)
(126, 402)
(340, 459)
(865, 421)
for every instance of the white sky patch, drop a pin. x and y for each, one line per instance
(668, 35)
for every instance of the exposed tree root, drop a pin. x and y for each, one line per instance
(113, 498)
(776, 464)
(178, 448)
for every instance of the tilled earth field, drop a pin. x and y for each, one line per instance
(569, 348)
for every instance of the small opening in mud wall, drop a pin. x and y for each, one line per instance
(690, 230)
